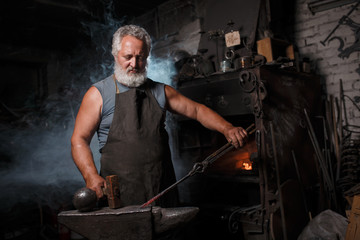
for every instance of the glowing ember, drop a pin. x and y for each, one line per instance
(245, 164)
(238, 160)
(243, 161)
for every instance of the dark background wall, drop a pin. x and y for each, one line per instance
(51, 51)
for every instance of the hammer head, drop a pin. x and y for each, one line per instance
(85, 199)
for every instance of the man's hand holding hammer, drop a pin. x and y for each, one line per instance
(85, 199)
(96, 183)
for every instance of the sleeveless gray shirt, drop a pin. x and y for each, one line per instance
(107, 90)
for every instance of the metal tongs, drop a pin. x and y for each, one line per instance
(200, 167)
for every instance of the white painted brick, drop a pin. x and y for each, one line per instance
(352, 94)
(352, 112)
(333, 45)
(327, 48)
(327, 53)
(355, 85)
(325, 28)
(348, 85)
(309, 30)
(300, 43)
(336, 14)
(323, 64)
(332, 89)
(350, 62)
(309, 22)
(330, 78)
(313, 40)
(320, 17)
(352, 86)
(305, 33)
(344, 30)
(302, 15)
(348, 67)
(303, 25)
(352, 118)
(353, 58)
(301, 10)
(356, 119)
(347, 72)
(309, 51)
(335, 61)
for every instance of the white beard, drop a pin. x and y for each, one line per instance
(129, 80)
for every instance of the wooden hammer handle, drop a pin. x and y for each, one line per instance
(112, 191)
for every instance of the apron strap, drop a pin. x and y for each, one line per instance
(117, 89)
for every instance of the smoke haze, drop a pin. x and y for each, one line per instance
(36, 157)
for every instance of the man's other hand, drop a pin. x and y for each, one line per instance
(237, 136)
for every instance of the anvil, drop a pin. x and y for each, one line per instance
(127, 223)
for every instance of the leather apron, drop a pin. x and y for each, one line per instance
(137, 148)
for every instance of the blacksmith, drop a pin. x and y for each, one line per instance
(127, 110)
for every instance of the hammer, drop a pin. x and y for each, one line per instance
(85, 199)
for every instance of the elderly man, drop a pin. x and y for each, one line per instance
(128, 111)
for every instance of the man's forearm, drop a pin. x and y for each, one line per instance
(84, 160)
(211, 120)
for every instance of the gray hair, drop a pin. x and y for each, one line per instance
(130, 30)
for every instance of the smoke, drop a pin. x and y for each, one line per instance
(36, 163)
(161, 70)
(41, 169)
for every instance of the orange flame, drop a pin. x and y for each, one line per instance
(245, 165)
(236, 160)
(243, 161)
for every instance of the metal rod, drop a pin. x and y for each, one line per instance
(167, 189)
(343, 101)
(328, 183)
(201, 166)
(283, 222)
(312, 136)
(301, 183)
(336, 138)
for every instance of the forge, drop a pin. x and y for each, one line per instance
(249, 193)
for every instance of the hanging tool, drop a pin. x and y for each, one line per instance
(200, 167)
(340, 22)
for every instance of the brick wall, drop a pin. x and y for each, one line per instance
(309, 30)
